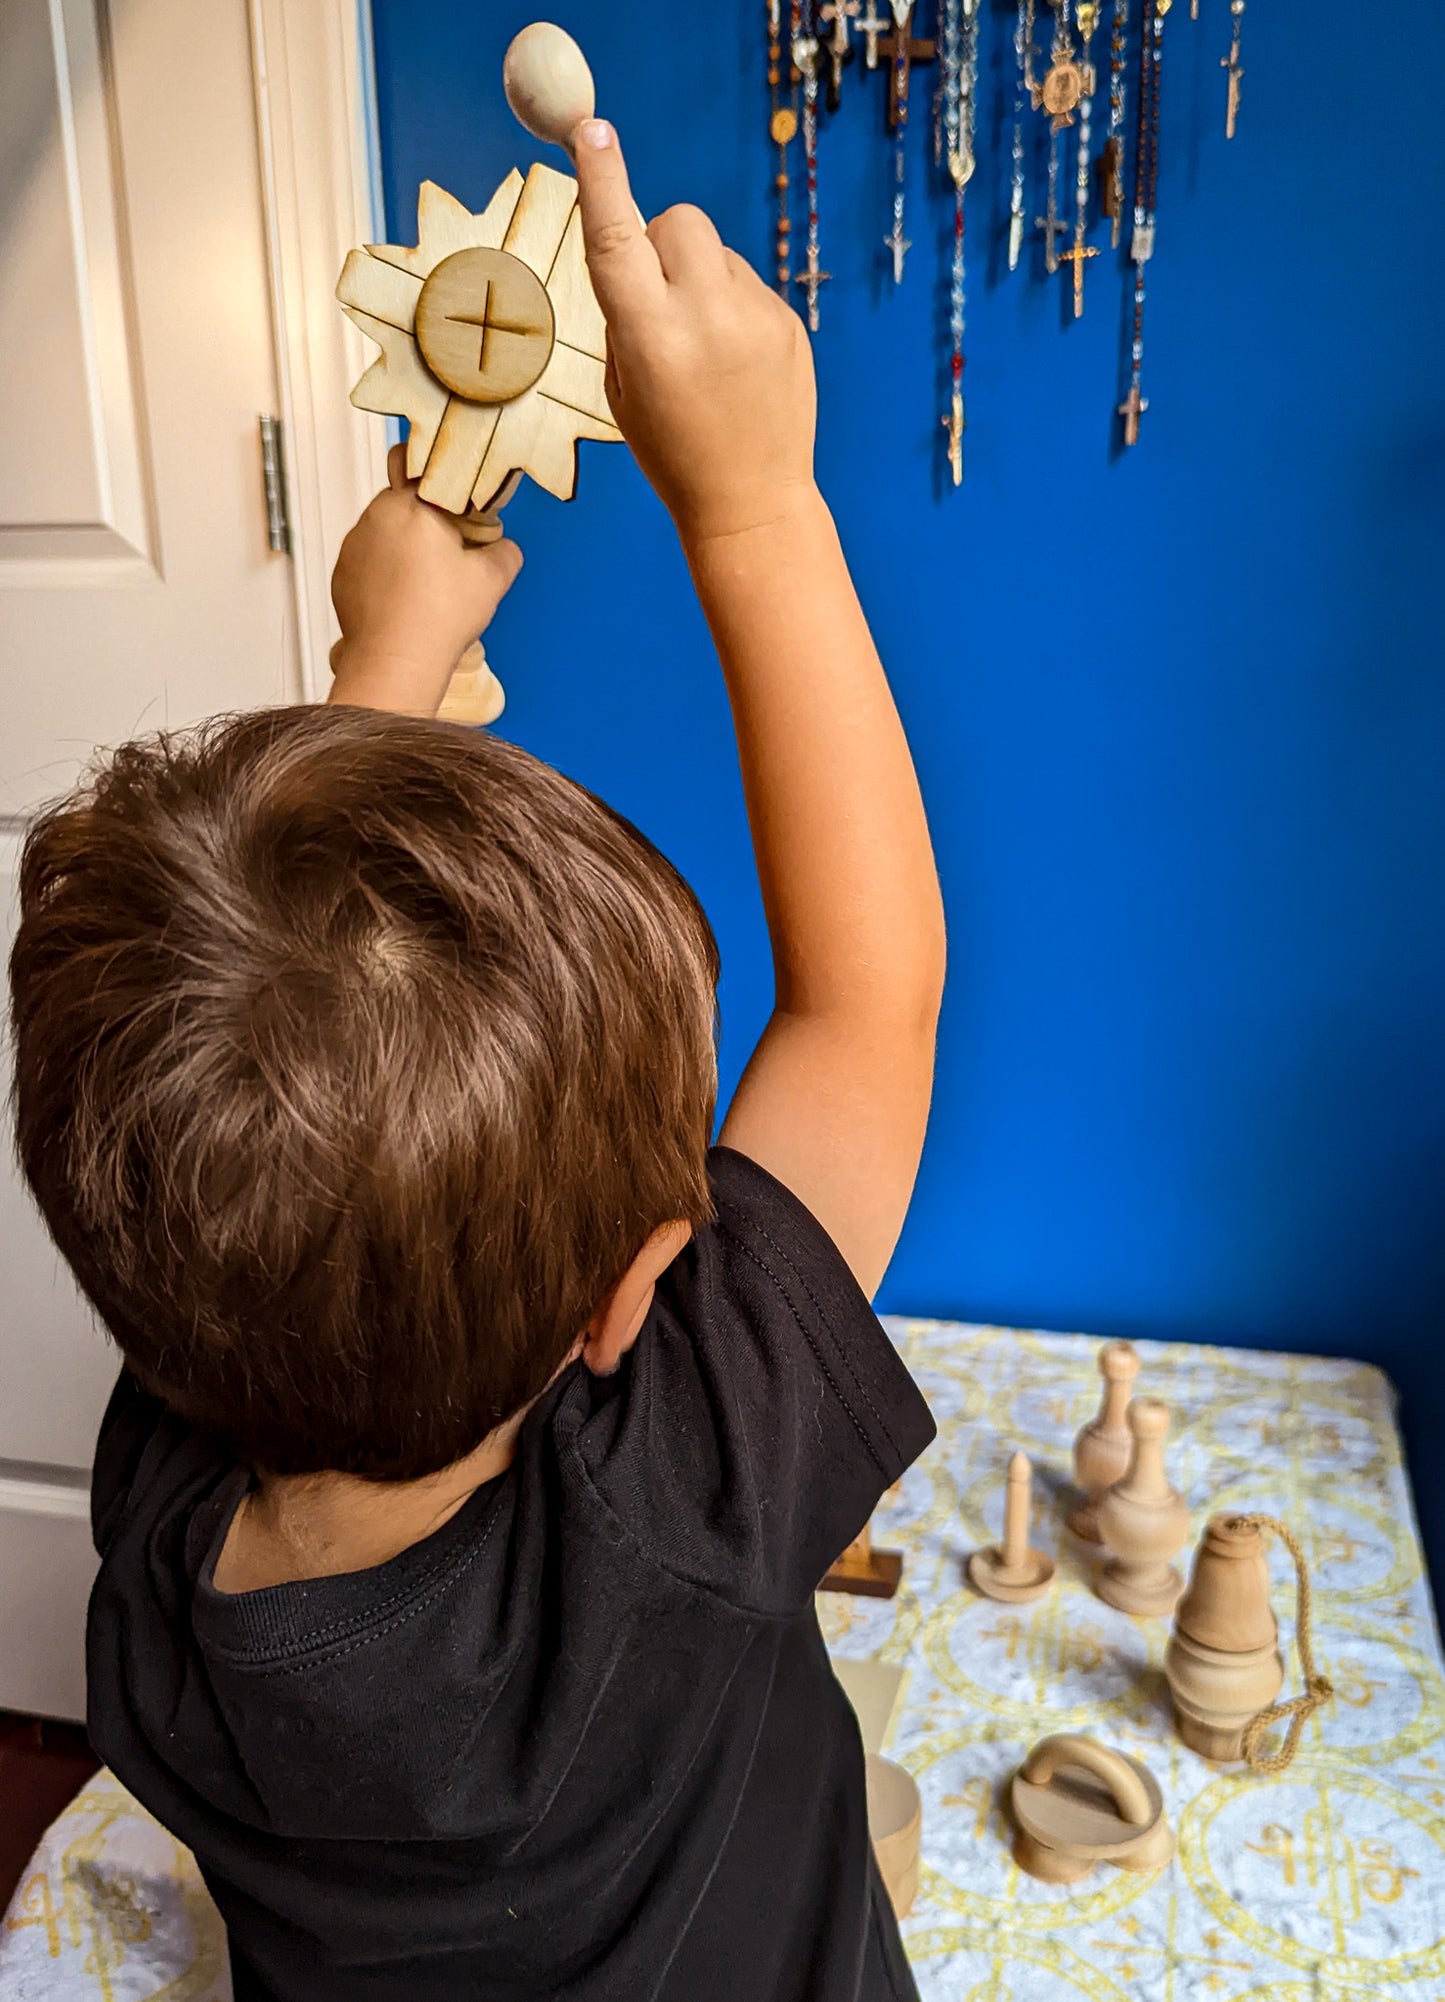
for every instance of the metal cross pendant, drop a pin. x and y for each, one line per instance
(810, 278)
(842, 13)
(870, 26)
(955, 424)
(1232, 64)
(840, 48)
(1076, 257)
(1053, 229)
(1131, 410)
(898, 243)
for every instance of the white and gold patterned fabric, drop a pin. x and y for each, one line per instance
(1325, 1884)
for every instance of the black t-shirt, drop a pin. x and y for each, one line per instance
(583, 1744)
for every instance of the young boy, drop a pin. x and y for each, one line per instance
(482, 1437)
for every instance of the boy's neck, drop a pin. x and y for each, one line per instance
(298, 1526)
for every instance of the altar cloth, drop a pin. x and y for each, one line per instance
(1324, 1884)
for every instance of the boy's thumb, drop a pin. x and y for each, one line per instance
(497, 566)
(626, 274)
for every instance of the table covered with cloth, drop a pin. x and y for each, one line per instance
(1325, 1883)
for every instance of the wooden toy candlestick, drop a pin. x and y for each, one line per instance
(1105, 1446)
(1223, 1662)
(1143, 1522)
(1012, 1572)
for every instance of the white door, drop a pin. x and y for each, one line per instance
(137, 588)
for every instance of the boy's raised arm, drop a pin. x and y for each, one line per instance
(710, 377)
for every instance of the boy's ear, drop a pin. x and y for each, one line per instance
(618, 1321)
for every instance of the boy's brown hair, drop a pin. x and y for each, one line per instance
(356, 1058)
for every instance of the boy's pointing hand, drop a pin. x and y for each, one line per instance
(709, 373)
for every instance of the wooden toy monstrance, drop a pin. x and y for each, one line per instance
(493, 346)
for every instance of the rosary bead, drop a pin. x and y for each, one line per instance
(785, 228)
(773, 75)
(781, 182)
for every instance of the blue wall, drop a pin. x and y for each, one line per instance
(1180, 715)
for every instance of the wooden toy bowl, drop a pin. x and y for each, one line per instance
(1077, 1804)
(895, 1822)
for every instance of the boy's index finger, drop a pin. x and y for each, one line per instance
(626, 274)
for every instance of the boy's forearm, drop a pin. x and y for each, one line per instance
(843, 851)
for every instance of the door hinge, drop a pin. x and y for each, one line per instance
(273, 474)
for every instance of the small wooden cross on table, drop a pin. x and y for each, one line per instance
(903, 49)
(861, 1568)
(1077, 256)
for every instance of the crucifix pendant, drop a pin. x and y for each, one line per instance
(810, 278)
(870, 26)
(903, 50)
(955, 424)
(1077, 257)
(839, 45)
(1111, 186)
(1231, 63)
(1053, 229)
(1131, 410)
(896, 241)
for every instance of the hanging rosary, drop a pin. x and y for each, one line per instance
(1111, 166)
(782, 130)
(1088, 16)
(1023, 85)
(1146, 181)
(960, 91)
(805, 61)
(821, 50)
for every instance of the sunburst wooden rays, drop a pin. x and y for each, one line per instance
(518, 335)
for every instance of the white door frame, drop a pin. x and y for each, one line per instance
(314, 110)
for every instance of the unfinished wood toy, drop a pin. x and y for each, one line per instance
(1105, 1446)
(1143, 1522)
(895, 1824)
(1223, 1661)
(548, 83)
(1012, 1571)
(874, 1574)
(1077, 1804)
(493, 346)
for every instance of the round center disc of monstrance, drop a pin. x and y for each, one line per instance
(485, 325)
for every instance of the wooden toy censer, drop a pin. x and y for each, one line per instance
(493, 346)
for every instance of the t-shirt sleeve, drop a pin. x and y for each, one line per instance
(132, 1419)
(762, 1412)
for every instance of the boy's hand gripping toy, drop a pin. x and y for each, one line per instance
(493, 346)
